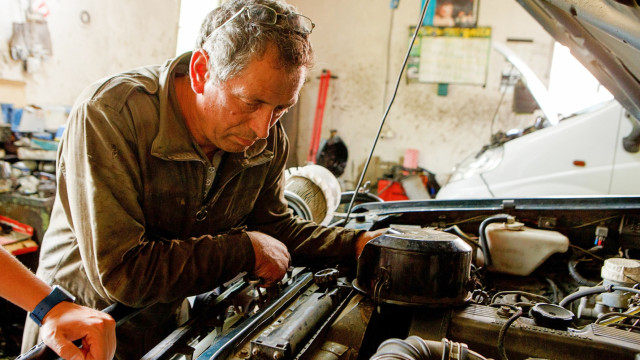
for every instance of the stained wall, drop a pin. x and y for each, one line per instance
(352, 40)
(116, 35)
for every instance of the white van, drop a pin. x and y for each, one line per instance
(592, 152)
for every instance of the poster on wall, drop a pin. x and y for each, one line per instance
(450, 55)
(451, 13)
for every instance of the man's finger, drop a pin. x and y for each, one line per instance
(100, 342)
(64, 348)
(93, 350)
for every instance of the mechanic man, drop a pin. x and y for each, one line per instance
(170, 178)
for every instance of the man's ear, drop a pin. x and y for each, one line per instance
(199, 70)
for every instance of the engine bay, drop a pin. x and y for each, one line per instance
(440, 284)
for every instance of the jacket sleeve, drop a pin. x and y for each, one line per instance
(308, 242)
(100, 188)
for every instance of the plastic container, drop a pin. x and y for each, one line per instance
(519, 250)
(619, 272)
(624, 272)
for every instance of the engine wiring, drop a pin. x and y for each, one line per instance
(588, 252)
(557, 294)
(628, 326)
(503, 333)
(595, 222)
(514, 304)
(621, 316)
(471, 219)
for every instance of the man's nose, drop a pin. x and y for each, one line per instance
(262, 122)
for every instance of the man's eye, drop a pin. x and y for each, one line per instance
(251, 106)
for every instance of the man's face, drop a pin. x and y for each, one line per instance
(237, 112)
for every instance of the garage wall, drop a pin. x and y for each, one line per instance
(351, 39)
(120, 35)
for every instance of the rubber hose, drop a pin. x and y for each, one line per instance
(456, 230)
(593, 291)
(572, 265)
(474, 244)
(416, 348)
(483, 238)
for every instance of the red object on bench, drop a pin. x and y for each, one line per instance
(389, 190)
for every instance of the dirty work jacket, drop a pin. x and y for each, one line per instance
(139, 217)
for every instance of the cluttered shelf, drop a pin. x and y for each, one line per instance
(29, 141)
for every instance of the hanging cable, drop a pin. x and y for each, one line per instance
(557, 294)
(386, 113)
(503, 333)
(388, 64)
(589, 252)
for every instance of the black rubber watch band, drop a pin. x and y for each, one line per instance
(56, 296)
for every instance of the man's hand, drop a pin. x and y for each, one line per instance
(364, 238)
(67, 322)
(272, 258)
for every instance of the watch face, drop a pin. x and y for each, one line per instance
(67, 295)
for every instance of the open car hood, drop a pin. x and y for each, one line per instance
(533, 83)
(604, 35)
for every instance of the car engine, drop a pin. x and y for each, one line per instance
(443, 283)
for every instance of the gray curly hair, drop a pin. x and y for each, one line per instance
(232, 48)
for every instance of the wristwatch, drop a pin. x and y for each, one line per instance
(56, 296)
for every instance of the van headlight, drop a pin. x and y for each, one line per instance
(477, 164)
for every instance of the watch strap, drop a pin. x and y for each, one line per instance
(56, 296)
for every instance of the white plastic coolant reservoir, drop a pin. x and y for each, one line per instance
(519, 250)
(619, 272)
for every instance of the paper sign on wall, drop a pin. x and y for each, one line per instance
(450, 55)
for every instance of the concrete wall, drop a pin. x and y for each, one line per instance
(120, 35)
(351, 39)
